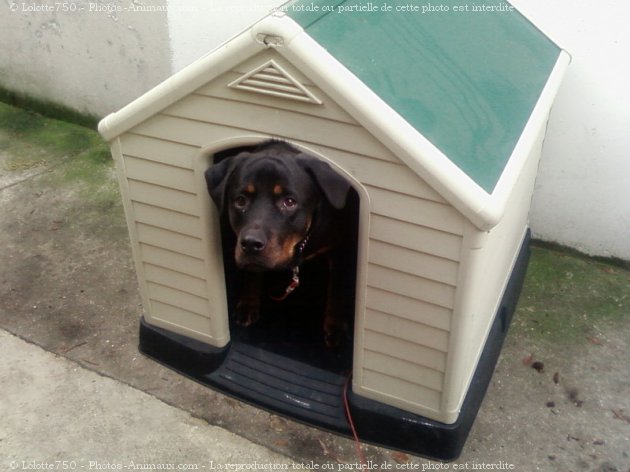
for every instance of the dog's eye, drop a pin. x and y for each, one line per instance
(240, 202)
(289, 203)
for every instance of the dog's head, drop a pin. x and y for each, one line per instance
(271, 196)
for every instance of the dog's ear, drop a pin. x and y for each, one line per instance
(334, 186)
(217, 176)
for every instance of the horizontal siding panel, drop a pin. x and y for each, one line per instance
(169, 240)
(158, 150)
(411, 286)
(160, 174)
(198, 133)
(413, 262)
(417, 238)
(179, 317)
(173, 260)
(408, 308)
(392, 175)
(167, 219)
(155, 195)
(407, 350)
(174, 297)
(188, 132)
(263, 120)
(415, 210)
(183, 132)
(176, 280)
(407, 330)
(404, 370)
(405, 391)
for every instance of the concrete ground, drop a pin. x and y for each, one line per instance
(74, 388)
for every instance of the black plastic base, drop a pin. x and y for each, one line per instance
(312, 394)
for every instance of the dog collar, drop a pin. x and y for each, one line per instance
(295, 276)
(299, 247)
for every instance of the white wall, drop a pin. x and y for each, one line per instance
(92, 58)
(582, 197)
(198, 26)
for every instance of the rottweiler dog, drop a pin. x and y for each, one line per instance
(285, 207)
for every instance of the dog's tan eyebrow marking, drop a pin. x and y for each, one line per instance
(277, 189)
(251, 188)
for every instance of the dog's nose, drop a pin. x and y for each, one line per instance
(252, 244)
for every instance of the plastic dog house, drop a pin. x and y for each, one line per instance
(436, 120)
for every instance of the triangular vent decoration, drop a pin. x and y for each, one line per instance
(271, 79)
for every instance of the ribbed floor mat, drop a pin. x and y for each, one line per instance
(309, 393)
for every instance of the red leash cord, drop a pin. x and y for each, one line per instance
(346, 407)
(295, 283)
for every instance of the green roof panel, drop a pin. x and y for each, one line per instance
(467, 80)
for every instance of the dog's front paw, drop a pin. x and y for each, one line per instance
(247, 313)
